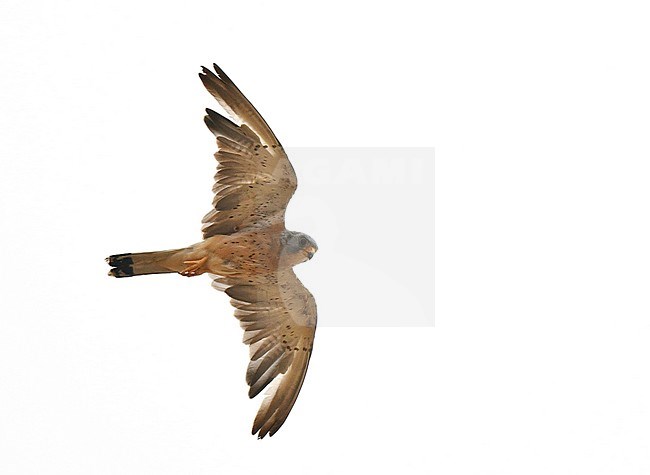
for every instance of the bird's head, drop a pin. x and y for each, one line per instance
(297, 247)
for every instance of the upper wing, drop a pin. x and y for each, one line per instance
(254, 180)
(278, 315)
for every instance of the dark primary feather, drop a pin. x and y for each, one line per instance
(235, 103)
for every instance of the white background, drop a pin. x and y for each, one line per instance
(539, 116)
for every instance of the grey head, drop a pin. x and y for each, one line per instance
(298, 245)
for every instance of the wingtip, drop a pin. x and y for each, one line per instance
(261, 433)
(210, 117)
(256, 429)
(223, 76)
(207, 77)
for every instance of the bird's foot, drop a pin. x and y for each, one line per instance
(193, 267)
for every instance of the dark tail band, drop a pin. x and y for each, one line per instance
(122, 265)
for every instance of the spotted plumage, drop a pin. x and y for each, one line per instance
(249, 252)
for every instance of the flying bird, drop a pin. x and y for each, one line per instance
(249, 253)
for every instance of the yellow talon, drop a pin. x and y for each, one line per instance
(193, 267)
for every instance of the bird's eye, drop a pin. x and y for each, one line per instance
(303, 241)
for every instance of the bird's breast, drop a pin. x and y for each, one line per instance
(247, 254)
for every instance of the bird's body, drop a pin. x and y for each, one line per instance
(249, 253)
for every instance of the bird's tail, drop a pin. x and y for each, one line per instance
(143, 263)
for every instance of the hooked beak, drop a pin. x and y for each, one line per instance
(310, 251)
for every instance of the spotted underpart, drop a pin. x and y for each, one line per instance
(253, 185)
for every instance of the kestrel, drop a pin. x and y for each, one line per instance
(249, 253)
